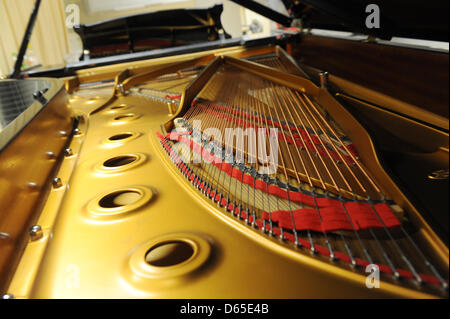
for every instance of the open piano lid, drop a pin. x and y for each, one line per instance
(151, 30)
(417, 19)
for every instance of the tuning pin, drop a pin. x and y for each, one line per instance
(294, 182)
(282, 178)
(179, 122)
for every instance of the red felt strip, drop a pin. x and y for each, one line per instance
(308, 219)
(236, 173)
(332, 218)
(386, 215)
(260, 184)
(368, 215)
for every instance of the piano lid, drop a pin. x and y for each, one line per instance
(416, 19)
(153, 30)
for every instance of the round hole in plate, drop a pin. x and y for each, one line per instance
(169, 253)
(128, 116)
(168, 256)
(120, 198)
(119, 137)
(118, 107)
(121, 117)
(120, 161)
(119, 203)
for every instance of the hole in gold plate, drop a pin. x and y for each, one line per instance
(169, 253)
(120, 161)
(118, 107)
(125, 116)
(120, 198)
(119, 137)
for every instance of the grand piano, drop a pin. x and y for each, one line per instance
(312, 163)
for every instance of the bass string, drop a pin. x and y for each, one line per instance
(319, 155)
(198, 170)
(283, 166)
(277, 106)
(216, 124)
(381, 248)
(347, 247)
(242, 103)
(343, 145)
(235, 101)
(228, 100)
(280, 95)
(363, 246)
(377, 241)
(387, 231)
(263, 152)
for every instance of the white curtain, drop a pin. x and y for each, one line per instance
(49, 42)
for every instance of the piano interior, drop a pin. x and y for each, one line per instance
(278, 170)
